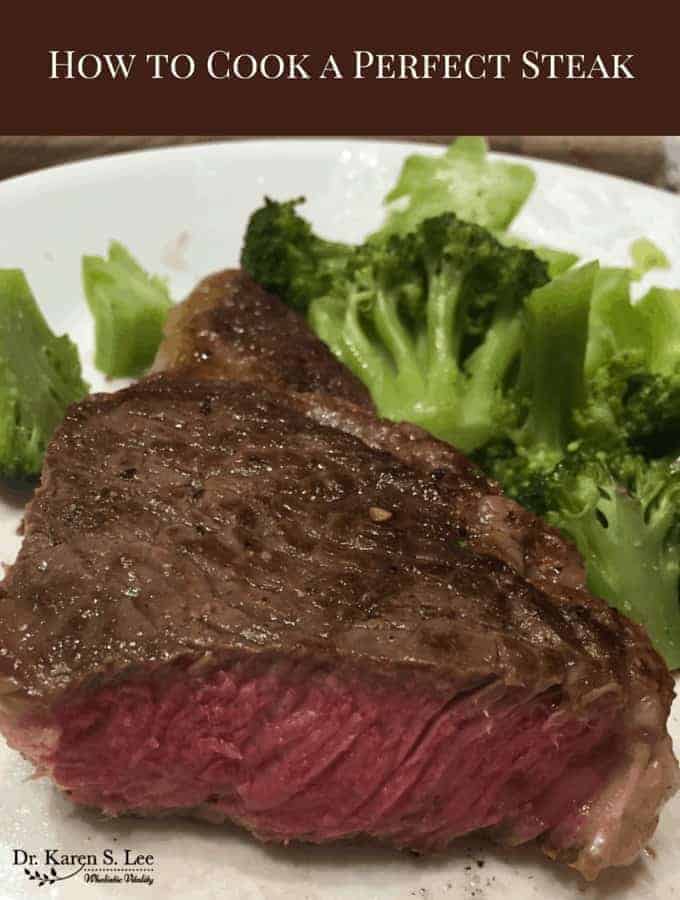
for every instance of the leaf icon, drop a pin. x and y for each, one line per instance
(53, 872)
(28, 872)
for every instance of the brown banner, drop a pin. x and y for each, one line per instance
(580, 68)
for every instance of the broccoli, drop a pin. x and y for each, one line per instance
(591, 438)
(633, 368)
(557, 261)
(430, 321)
(535, 424)
(129, 308)
(551, 380)
(463, 181)
(624, 516)
(39, 377)
(646, 256)
(651, 414)
(282, 253)
(626, 402)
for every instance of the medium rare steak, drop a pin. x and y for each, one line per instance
(226, 605)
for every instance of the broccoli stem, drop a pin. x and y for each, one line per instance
(394, 335)
(551, 379)
(358, 349)
(443, 338)
(486, 370)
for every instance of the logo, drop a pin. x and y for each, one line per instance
(120, 866)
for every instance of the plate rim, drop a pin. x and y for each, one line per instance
(266, 146)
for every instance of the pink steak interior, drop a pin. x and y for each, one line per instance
(298, 750)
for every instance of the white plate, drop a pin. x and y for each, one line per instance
(182, 212)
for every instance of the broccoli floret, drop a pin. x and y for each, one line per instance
(629, 406)
(557, 261)
(633, 369)
(651, 414)
(282, 253)
(521, 475)
(39, 377)
(624, 515)
(129, 309)
(431, 322)
(465, 182)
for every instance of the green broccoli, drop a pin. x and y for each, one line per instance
(626, 402)
(557, 261)
(624, 515)
(282, 253)
(463, 181)
(591, 438)
(39, 377)
(551, 380)
(430, 321)
(535, 423)
(129, 308)
(633, 368)
(646, 256)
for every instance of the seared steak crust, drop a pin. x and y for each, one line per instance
(268, 520)
(229, 327)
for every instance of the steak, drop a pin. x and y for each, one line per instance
(244, 602)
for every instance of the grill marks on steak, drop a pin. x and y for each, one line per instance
(196, 537)
(275, 507)
(493, 524)
(229, 327)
